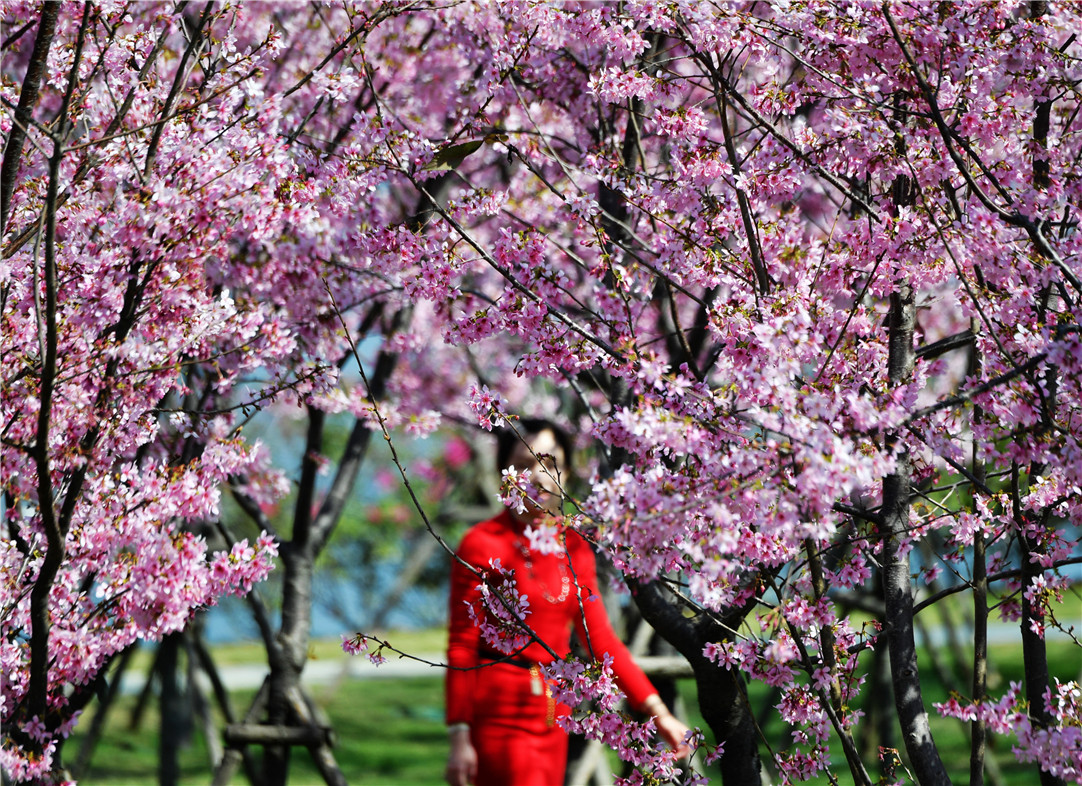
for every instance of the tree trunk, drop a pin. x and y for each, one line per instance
(897, 586)
(1034, 651)
(175, 711)
(724, 706)
(722, 699)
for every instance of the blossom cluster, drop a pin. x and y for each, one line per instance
(1056, 746)
(590, 690)
(500, 611)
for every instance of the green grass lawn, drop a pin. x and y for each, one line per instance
(390, 731)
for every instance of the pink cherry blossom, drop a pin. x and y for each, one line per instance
(771, 260)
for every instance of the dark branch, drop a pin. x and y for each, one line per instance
(28, 98)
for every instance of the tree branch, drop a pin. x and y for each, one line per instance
(1032, 227)
(28, 98)
(352, 456)
(945, 345)
(56, 527)
(179, 79)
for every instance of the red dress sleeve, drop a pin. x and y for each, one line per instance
(481, 544)
(595, 620)
(463, 635)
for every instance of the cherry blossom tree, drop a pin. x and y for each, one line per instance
(813, 274)
(805, 274)
(210, 269)
(111, 336)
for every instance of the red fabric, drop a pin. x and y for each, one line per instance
(511, 731)
(485, 695)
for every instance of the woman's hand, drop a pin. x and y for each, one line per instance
(673, 730)
(462, 762)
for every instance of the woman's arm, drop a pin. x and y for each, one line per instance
(594, 628)
(594, 621)
(463, 648)
(463, 641)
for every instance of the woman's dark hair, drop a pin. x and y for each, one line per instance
(507, 438)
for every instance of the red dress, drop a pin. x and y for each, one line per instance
(511, 715)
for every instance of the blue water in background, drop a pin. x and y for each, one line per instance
(339, 607)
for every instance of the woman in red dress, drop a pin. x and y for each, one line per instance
(500, 714)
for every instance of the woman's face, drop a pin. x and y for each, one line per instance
(547, 477)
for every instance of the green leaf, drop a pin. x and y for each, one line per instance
(450, 157)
